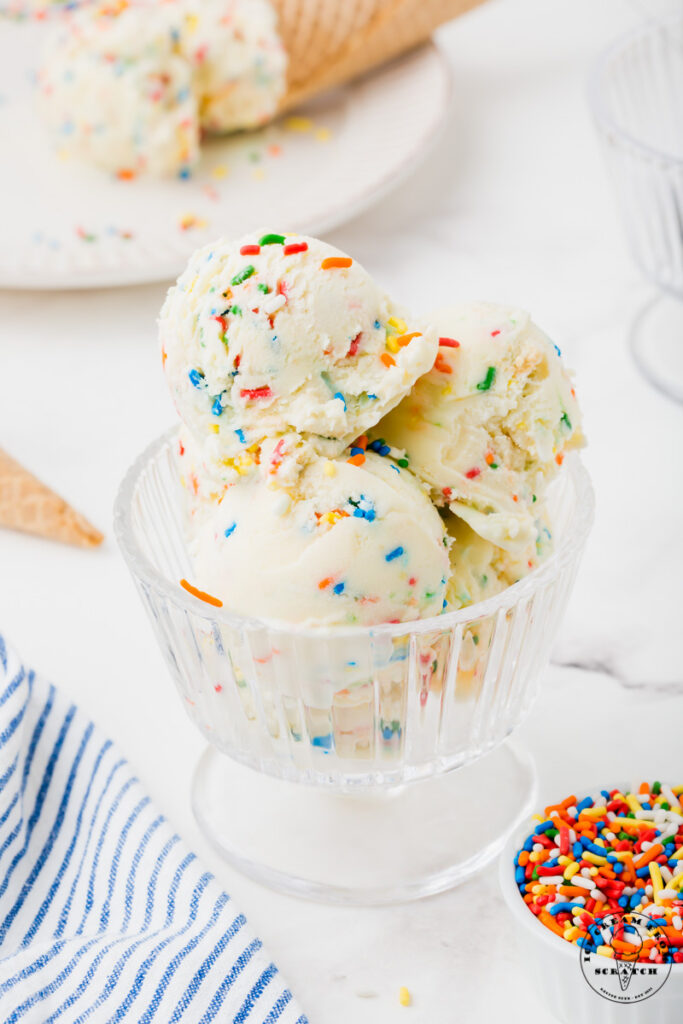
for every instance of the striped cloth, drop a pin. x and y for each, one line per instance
(105, 915)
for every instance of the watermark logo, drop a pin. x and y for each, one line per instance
(626, 958)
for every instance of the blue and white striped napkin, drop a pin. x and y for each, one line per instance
(105, 915)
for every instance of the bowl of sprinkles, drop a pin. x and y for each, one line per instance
(595, 884)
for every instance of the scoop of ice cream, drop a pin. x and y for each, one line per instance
(348, 544)
(116, 93)
(237, 58)
(127, 86)
(480, 569)
(274, 333)
(489, 425)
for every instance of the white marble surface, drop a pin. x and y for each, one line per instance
(513, 205)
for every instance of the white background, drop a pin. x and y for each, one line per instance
(513, 205)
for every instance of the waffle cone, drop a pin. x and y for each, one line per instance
(27, 504)
(332, 41)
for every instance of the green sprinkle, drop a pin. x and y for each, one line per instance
(565, 419)
(533, 498)
(534, 874)
(263, 288)
(475, 639)
(272, 240)
(403, 463)
(428, 594)
(243, 275)
(552, 832)
(484, 580)
(494, 465)
(657, 788)
(665, 805)
(236, 310)
(488, 380)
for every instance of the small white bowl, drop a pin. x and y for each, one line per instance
(554, 967)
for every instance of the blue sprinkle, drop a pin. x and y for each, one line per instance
(557, 350)
(338, 588)
(563, 908)
(392, 466)
(240, 436)
(577, 850)
(377, 325)
(623, 901)
(374, 397)
(544, 826)
(370, 514)
(444, 606)
(520, 877)
(357, 451)
(185, 173)
(396, 553)
(217, 407)
(387, 732)
(341, 398)
(586, 802)
(183, 94)
(197, 378)
(384, 450)
(323, 741)
(231, 529)
(358, 513)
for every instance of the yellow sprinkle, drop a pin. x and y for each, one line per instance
(191, 22)
(592, 872)
(404, 996)
(220, 171)
(634, 804)
(657, 883)
(605, 951)
(571, 870)
(677, 854)
(536, 855)
(329, 468)
(677, 790)
(63, 154)
(572, 933)
(258, 174)
(392, 344)
(183, 482)
(594, 858)
(323, 134)
(597, 812)
(447, 390)
(215, 428)
(562, 859)
(298, 124)
(399, 325)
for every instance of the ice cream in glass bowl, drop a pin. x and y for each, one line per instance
(355, 552)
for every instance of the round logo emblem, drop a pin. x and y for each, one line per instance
(627, 958)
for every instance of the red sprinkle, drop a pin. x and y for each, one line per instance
(250, 250)
(355, 345)
(263, 392)
(494, 333)
(471, 473)
(294, 247)
(223, 322)
(449, 343)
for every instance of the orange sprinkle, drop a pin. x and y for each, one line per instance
(405, 339)
(489, 458)
(325, 583)
(357, 460)
(649, 855)
(125, 175)
(164, 357)
(361, 442)
(336, 261)
(559, 458)
(442, 365)
(515, 497)
(201, 595)
(387, 360)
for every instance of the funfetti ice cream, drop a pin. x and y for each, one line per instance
(116, 93)
(480, 569)
(237, 59)
(488, 427)
(352, 543)
(128, 86)
(278, 333)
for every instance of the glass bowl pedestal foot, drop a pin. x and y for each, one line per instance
(657, 344)
(367, 847)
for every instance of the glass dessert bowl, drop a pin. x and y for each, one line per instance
(342, 742)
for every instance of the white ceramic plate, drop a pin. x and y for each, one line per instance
(65, 225)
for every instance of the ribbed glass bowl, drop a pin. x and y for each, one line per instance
(635, 94)
(347, 707)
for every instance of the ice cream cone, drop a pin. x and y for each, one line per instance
(27, 504)
(332, 41)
